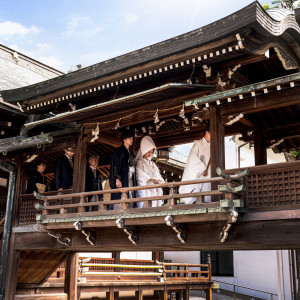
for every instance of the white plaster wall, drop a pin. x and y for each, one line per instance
(267, 271)
(137, 255)
(192, 257)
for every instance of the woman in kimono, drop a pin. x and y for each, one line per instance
(37, 182)
(197, 167)
(147, 173)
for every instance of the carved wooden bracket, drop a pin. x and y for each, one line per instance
(88, 236)
(132, 236)
(181, 234)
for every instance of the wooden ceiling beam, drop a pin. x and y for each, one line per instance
(262, 102)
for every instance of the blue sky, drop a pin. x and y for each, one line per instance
(64, 33)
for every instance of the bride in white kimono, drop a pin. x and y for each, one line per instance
(147, 172)
(197, 167)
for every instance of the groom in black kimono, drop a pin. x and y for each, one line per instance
(122, 171)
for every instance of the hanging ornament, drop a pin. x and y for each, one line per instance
(159, 125)
(237, 118)
(73, 106)
(156, 119)
(276, 144)
(95, 133)
(182, 112)
(118, 125)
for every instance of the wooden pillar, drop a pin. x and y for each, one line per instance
(217, 149)
(80, 163)
(112, 295)
(71, 274)
(260, 151)
(12, 270)
(139, 294)
(117, 257)
(208, 294)
(165, 292)
(157, 255)
(13, 255)
(186, 294)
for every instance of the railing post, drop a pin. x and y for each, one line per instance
(100, 203)
(234, 296)
(186, 272)
(208, 260)
(45, 211)
(171, 200)
(124, 197)
(80, 208)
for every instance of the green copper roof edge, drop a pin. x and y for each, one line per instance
(141, 215)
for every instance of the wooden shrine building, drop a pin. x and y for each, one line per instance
(240, 74)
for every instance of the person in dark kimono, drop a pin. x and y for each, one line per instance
(63, 173)
(122, 170)
(93, 181)
(37, 182)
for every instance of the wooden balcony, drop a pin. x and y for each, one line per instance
(245, 213)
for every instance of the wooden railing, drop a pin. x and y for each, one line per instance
(162, 272)
(275, 186)
(27, 209)
(79, 203)
(105, 265)
(272, 186)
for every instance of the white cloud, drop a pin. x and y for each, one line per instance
(9, 28)
(81, 27)
(131, 17)
(43, 46)
(51, 61)
(76, 22)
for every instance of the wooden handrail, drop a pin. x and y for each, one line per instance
(132, 200)
(122, 266)
(161, 268)
(136, 188)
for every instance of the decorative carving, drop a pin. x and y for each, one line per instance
(181, 234)
(232, 219)
(88, 236)
(287, 4)
(258, 45)
(132, 236)
(60, 238)
(287, 62)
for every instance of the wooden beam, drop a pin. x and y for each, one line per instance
(283, 131)
(217, 149)
(282, 98)
(259, 233)
(109, 139)
(57, 296)
(247, 122)
(260, 151)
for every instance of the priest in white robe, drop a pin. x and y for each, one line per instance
(197, 167)
(147, 172)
